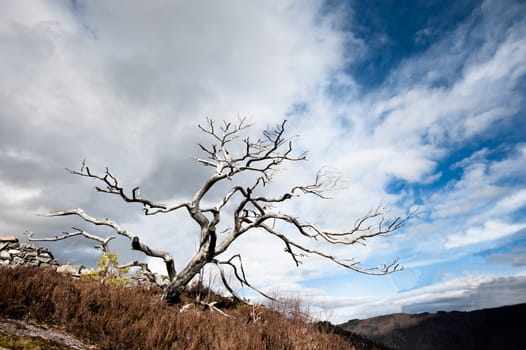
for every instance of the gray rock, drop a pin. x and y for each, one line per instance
(70, 269)
(18, 260)
(43, 259)
(16, 254)
(28, 246)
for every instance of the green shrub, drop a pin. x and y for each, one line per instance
(109, 271)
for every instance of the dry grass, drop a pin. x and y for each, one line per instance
(114, 317)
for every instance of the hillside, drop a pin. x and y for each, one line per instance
(497, 328)
(122, 317)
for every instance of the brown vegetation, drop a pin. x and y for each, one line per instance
(117, 317)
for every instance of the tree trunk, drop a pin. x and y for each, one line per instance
(172, 293)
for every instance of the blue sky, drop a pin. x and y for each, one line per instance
(417, 104)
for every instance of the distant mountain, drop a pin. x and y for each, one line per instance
(497, 328)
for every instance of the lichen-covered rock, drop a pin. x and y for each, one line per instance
(14, 253)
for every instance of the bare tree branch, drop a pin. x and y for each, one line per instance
(238, 273)
(136, 243)
(111, 185)
(229, 154)
(136, 263)
(78, 232)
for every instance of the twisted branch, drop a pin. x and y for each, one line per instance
(111, 185)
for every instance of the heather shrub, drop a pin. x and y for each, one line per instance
(120, 317)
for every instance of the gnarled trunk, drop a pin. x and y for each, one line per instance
(173, 291)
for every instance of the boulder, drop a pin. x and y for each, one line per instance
(70, 269)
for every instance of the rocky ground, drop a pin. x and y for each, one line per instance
(15, 334)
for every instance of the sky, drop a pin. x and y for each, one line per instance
(418, 105)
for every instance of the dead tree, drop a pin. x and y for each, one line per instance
(228, 156)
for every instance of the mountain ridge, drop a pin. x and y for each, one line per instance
(492, 328)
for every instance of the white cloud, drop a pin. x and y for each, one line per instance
(14, 195)
(510, 203)
(490, 230)
(464, 293)
(101, 81)
(479, 206)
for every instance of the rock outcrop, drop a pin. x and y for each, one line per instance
(15, 253)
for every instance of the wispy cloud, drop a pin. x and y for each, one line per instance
(488, 231)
